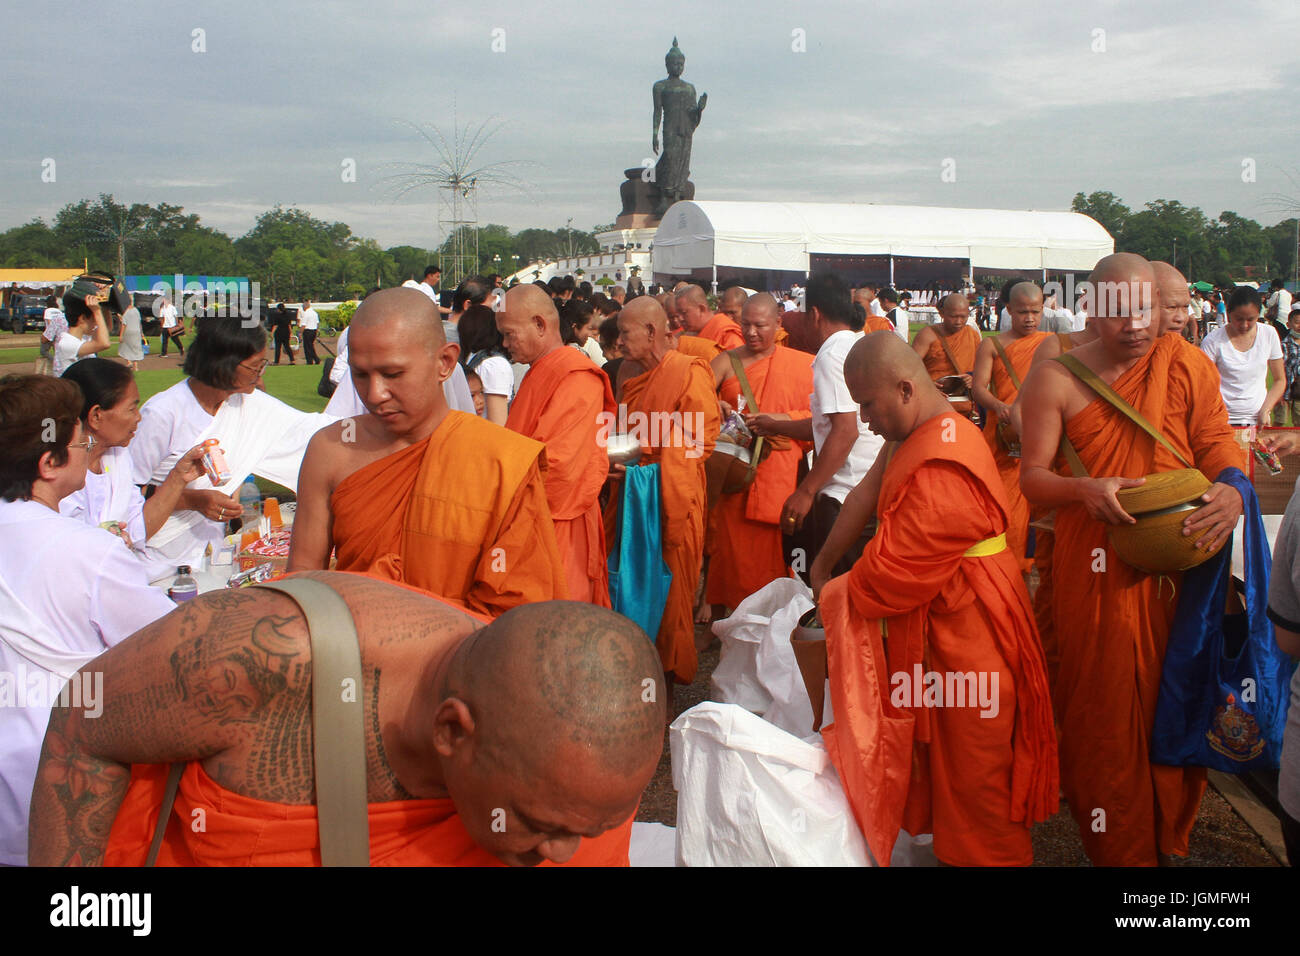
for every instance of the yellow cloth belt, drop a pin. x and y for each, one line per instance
(982, 549)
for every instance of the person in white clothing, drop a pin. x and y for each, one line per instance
(1245, 350)
(487, 357)
(173, 329)
(1279, 302)
(221, 399)
(55, 325)
(110, 413)
(846, 448)
(309, 324)
(87, 331)
(68, 592)
(340, 366)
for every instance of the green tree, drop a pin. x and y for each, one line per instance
(107, 227)
(35, 245)
(1106, 208)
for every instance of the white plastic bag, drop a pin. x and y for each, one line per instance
(750, 794)
(757, 669)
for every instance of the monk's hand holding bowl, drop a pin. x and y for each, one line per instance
(1004, 413)
(1217, 519)
(616, 472)
(1098, 496)
(968, 379)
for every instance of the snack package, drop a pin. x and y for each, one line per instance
(1266, 458)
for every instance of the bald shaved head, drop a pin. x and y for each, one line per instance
(403, 311)
(530, 324)
(1121, 299)
(643, 329)
(1172, 298)
(1025, 292)
(693, 308)
(550, 722)
(1025, 306)
(733, 300)
(889, 382)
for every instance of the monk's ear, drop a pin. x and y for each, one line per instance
(906, 390)
(453, 727)
(539, 324)
(447, 356)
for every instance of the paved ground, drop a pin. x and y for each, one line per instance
(1220, 838)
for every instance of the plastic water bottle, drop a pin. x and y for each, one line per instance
(184, 587)
(250, 500)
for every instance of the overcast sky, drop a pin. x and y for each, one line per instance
(1032, 102)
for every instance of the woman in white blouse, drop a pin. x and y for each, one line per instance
(110, 412)
(1245, 351)
(485, 354)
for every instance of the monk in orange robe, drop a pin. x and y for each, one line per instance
(962, 341)
(943, 720)
(680, 386)
(995, 387)
(416, 492)
(528, 740)
(732, 302)
(747, 552)
(1111, 621)
(562, 403)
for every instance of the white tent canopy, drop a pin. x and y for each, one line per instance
(779, 235)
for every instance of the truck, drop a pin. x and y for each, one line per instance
(23, 313)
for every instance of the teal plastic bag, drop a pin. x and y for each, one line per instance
(638, 577)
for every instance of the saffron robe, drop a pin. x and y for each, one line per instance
(964, 343)
(916, 601)
(879, 323)
(1111, 621)
(747, 552)
(243, 831)
(723, 329)
(1021, 353)
(461, 515)
(560, 403)
(697, 346)
(679, 385)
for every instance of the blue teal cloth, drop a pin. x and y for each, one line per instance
(638, 577)
(1224, 686)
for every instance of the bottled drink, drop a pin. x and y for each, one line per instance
(250, 500)
(184, 587)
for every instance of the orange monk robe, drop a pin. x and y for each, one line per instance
(1112, 622)
(747, 552)
(878, 323)
(242, 831)
(561, 403)
(683, 386)
(723, 329)
(698, 346)
(964, 343)
(1044, 541)
(1021, 352)
(461, 515)
(914, 603)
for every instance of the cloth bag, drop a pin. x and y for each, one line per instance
(758, 670)
(1225, 713)
(325, 388)
(638, 577)
(750, 794)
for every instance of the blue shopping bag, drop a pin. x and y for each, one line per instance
(1215, 710)
(638, 577)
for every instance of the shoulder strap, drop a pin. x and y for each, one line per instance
(756, 450)
(1063, 340)
(1093, 381)
(1006, 362)
(338, 728)
(947, 350)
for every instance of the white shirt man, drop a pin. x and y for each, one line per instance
(168, 316)
(1281, 302)
(309, 319)
(831, 395)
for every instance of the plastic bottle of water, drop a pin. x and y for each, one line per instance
(250, 500)
(184, 587)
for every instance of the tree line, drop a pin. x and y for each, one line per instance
(288, 251)
(1211, 250)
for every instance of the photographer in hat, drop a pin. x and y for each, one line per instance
(87, 331)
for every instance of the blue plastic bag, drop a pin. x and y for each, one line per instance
(638, 577)
(1225, 713)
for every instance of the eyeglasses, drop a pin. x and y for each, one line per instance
(261, 367)
(87, 443)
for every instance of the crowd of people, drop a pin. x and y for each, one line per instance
(458, 503)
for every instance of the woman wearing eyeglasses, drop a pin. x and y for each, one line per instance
(67, 592)
(110, 412)
(221, 398)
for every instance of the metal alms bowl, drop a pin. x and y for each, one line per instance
(623, 449)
